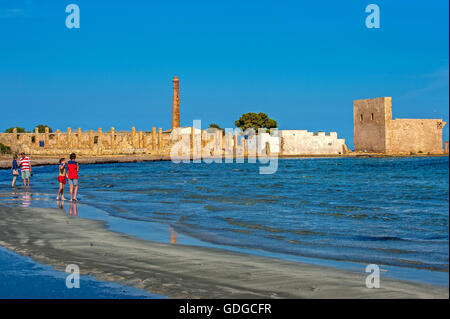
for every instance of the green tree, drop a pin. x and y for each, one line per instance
(4, 149)
(256, 121)
(19, 130)
(41, 128)
(213, 126)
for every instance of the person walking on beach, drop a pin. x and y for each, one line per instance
(25, 169)
(73, 168)
(15, 170)
(61, 178)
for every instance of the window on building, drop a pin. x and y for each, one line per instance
(372, 116)
(361, 117)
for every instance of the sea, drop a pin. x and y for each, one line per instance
(338, 212)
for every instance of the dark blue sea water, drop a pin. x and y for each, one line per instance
(386, 211)
(23, 278)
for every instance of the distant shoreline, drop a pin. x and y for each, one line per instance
(51, 237)
(5, 161)
(44, 161)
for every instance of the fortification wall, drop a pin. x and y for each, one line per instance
(406, 136)
(183, 142)
(376, 131)
(302, 142)
(189, 141)
(287, 143)
(90, 143)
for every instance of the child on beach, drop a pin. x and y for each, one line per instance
(61, 178)
(73, 168)
(15, 170)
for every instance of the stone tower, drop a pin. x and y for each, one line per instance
(370, 118)
(175, 103)
(376, 131)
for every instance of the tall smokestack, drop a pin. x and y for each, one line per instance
(175, 103)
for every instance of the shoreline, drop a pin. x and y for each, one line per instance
(32, 280)
(52, 160)
(51, 237)
(5, 162)
(161, 232)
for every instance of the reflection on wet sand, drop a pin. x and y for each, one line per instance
(60, 204)
(173, 236)
(23, 197)
(73, 209)
(26, 199)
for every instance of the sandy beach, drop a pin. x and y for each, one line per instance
(51, 237)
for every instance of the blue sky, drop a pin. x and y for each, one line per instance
(302, 62)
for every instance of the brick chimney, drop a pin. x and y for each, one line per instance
(175, 103)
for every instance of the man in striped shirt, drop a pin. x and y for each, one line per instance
(25, 168)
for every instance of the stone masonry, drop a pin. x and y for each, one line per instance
(375, 131)
(91, 143)
(302, 142)
(179, 141)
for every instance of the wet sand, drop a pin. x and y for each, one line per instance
(51, 237)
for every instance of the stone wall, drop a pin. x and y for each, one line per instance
(189, 141)
(287, 143)
(414, 136)
(90, 143)
(183, 142)
(376, 131)
(302, 142)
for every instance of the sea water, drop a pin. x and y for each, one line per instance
(387, 211)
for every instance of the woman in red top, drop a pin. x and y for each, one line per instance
(61, 178)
